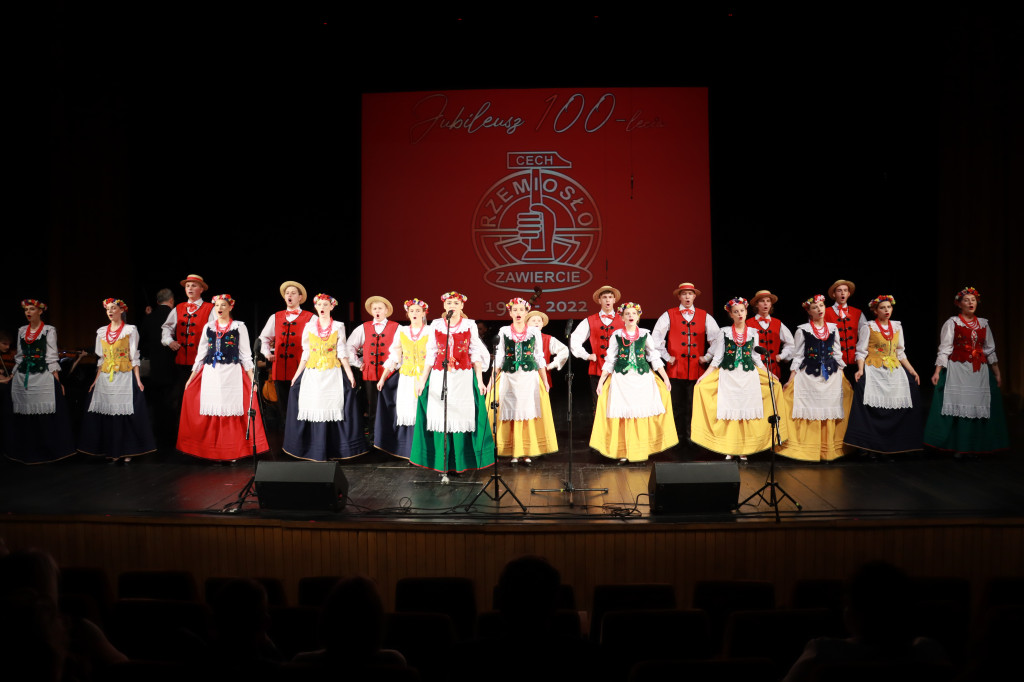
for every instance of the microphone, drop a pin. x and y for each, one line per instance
(761, 349)
(448, 315)
(538, 290)
(568, 327)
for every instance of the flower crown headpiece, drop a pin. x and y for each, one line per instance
(33, 301)
(966, 290)
(326, 297)
(629, 304)
(415, 301)
(226, 298)
(120, 304)
(873, 303)
(817, 298)
(734, 301)
(450, 294)
(517, 301)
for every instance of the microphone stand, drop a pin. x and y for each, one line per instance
(495, 476)
(444, 391)
(567, 485)
(776, 492)
(249, 489)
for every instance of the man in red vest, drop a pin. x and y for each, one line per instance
(281, 341)
(368, 347)
(685, 337)
(184, 326)
(773, 336)
(597, 329)
(851, 322)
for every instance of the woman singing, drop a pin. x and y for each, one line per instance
(215, 406)
(731, 402)
(116, 424)
(324, 420)
(967, 408)
(39, 427)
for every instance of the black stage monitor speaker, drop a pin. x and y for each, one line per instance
(310, 486)
(678, 487)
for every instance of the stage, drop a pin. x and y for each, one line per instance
(930, 513)
(385, 489)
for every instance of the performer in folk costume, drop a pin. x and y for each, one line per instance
(556, 353)
(396, 404)
(470, 443)
(598, 330)
(772, 335)
(818, 392)
(325, 420)
(683, 337)
(116, 424)
(184, 328)
(162, 401)
(526, 428)
(887, 414)
(851, 324)
(368, 348)
(214, 409)
(732, 402)
(634, 410)
(967, 410)
(38, 423)
(281, 341)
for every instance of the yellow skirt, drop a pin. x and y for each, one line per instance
(528, 437)
(734, 436)
(816, 440)
(633, 439)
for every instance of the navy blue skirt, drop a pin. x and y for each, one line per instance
(118, 436)
(322, 441)
(886, 431)
(387, 434)
(38, 438)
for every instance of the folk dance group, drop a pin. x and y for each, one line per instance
(686, 380)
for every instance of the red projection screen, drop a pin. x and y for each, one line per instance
(496, 192)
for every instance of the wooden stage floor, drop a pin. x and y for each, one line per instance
(167, 483)
(929, 513)
(386, 489)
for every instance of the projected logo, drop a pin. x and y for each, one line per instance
(536, 226)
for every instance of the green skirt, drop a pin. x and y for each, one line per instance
(961, 434)
(466, 451)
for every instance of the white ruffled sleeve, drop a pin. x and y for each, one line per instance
(244, 348)
(989, 347)
(559, 353)
(945, 342)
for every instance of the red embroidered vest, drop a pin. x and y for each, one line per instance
(686, 342)
(288, 344)
(187, 330)
(599, 336)
(769, 339)
(967, 346)
(375, 349)
(458, 350)
(847, 331)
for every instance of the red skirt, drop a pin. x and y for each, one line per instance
(217, 438)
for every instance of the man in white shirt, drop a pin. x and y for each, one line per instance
(852, 323)
(685, 338)
(597, 329)
(184, 326)
(281, 342)
(368, 347)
